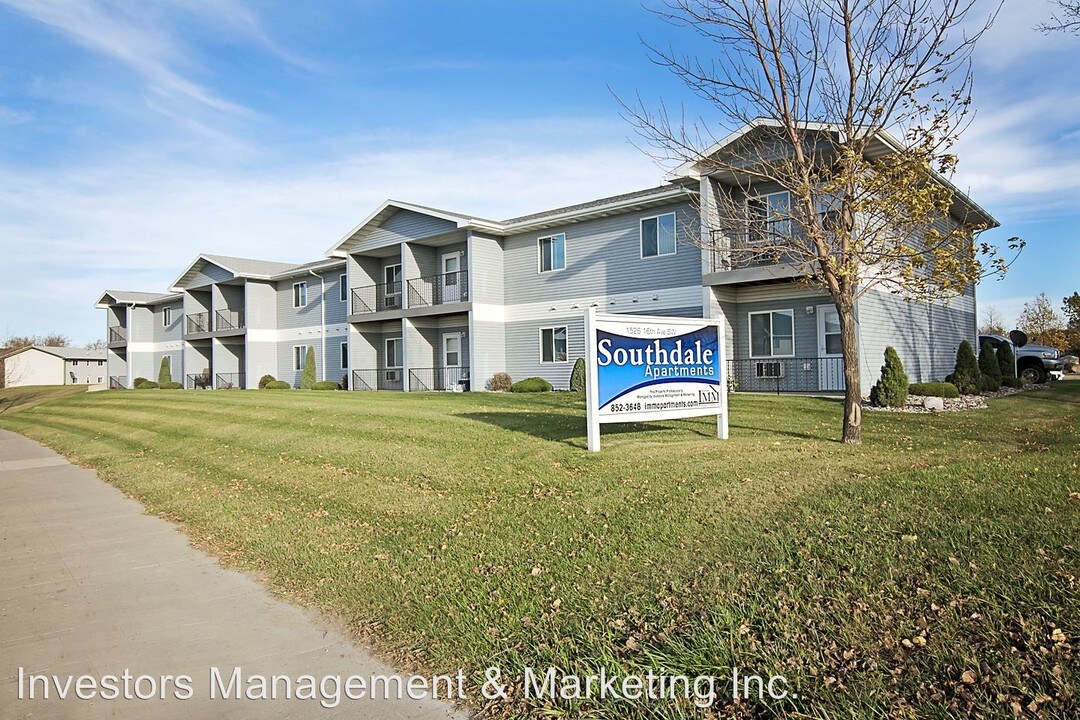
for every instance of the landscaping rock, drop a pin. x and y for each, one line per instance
(923, 404)
(934, 404)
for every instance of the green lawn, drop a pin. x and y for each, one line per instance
(922, 575)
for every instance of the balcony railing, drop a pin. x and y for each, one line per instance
(780, 375)
(438, 379)
(378, 379)
(229, 381)
(197, 323)
(116, 383)
(228, 320)
(375, 298)
(762, 242)
(117, 334)
(201, 381)
(439, 289)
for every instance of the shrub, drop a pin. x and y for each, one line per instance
(171, 385)
(147, 385)
(500, 382)
(577, 376)
(966, 375)
(531, 385)
(934, 389)
(138, 381)
(164, 375)
(307, 376)
(1012, 382)
(989, 367)
(326, 385)
(266, 380)
(892, 389)
(1007, 362)
(278, 385)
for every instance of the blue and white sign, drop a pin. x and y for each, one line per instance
(653, 368)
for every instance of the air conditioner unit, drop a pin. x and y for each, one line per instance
(773, 369)
(391, 301)
(393, 375)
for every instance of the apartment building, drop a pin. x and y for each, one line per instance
(416, 298)
(49, 365)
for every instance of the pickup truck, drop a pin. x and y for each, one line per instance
(1034, 363)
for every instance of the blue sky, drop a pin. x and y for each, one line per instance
(134, 135)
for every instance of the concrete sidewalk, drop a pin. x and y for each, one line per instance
(91, 585)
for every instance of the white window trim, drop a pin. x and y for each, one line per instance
(540, 254)
(765, 198)
(166, 317)
(400, 273)
(390, 356)
(295, 297)
(750, 334)
(460, 337)
(298, 358)
(344, 356)
(641, 236)
(343, 288)
(540, 344)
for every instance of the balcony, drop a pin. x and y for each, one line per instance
(200, 381)
(376, 298)
(117, 334)
(441, 289)
(379, 379)
(229, 320)
(787, 375)
(116, 382)
(197, 323)
(438, 379)
(229, 381)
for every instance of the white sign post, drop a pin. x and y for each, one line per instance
(641, 368)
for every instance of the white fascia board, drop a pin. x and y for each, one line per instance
(461, 222)
(676, 192)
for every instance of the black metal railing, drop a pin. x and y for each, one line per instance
(375, 298)
(229, 320)
(444, 378)
(117, 334)
(197, 323)
(762, 242)
(116, 383)
(439, 289)
(229, 381)
(200, 381)
(378, 379)
(780, 375)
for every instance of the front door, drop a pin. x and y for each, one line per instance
(451, 373)
(450, 280)
(830, 350)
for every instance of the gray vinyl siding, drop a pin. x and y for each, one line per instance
(487, 341)
(485, 264)
(141, 325)
(523, 350)
(176, 367)
(405, 225)
(310, 315)
(602, 256)
(209, 275)
(174, 331)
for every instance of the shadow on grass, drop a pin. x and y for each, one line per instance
(13, 398)
(567, 428)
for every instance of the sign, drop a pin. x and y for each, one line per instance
(641, 368)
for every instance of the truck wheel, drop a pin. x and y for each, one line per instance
(1033, 375)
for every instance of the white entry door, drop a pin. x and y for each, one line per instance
(830, 350)
(450, 281)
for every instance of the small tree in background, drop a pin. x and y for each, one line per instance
(966, 374)
(892, 389)
(989, 368)
(577, 376)
(165, 371)
(307, 377)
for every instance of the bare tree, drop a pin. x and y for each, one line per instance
(824, 86)
(98, 344)
(992, 322)
(1065, 19)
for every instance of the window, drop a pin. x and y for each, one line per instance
(392, 277)
(343, 288)
(553, 345)
(298, 353)
(344, 356)
(99, 379)
(74, 363)
(658, 236)
(769, 217)
(552, 253)
(299, 295)
(101, 363)
(166, 317)
(772, 334)
(452, 350)
(395, 356)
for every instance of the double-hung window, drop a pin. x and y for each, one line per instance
(298, 354)
(769, 217)
(166, 317)
(658, 235)
(772, 334)
(395, 356)
(553, 345)
(343, 288)
(299, 294)
(552, 251)
(344, 356)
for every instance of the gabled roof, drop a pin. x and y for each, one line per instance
(128, 297)
(250, 268)
(67, 353)
(388, 208)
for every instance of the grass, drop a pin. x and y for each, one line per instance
(922, 575)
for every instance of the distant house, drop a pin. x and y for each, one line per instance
(41, 365)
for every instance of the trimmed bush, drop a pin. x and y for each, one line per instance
(531, 385)
(147, 385)
(934, 389)
(966, 375)
(171, 385)
(892, 389)
(138, 381)
(1007, 362)
(307, 376)
(500, 382)
(577, 376)
(266, 380)
(326, 385)
(278, 385)
(989, 367)
(164, 375)
(1012, 382)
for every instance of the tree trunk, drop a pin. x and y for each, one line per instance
(849, 339)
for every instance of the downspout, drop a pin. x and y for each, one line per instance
(322, 306)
